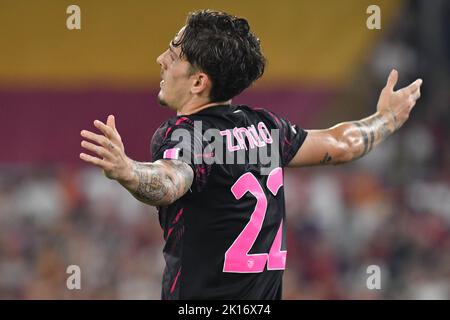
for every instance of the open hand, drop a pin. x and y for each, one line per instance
(109, 151)
(398, 104)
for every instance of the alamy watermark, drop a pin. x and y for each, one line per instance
(73, 22)
(374, 20)
(374, 280)
(73, 281)
(255, 144)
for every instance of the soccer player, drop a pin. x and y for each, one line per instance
(224, 218)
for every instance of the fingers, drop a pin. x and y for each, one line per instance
(104, 147)
(111, 122)
(392, 80)
(413, 87)
(99, 139)
(105, 129)
(93, 160)
(413, 91)
(416, 94)
(100, 151)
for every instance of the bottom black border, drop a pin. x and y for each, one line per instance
(285, 309)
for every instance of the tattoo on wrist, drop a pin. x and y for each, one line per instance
(394, 118)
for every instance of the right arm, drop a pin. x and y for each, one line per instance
(351, 140)
(159, 183)
(156, 183)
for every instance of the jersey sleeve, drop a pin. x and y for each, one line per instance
(177, 140)
(291, 138)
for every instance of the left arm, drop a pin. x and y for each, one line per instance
(352, 140)
(345, 141)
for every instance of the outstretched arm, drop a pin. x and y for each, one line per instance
(156, 183)
(348, 141)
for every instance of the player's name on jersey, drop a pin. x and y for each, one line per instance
(255, 138)
(237, 138)
(255, 144)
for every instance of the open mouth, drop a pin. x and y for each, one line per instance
(161, 83)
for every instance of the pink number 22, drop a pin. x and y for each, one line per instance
(237, 258)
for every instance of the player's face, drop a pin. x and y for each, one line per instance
(176, 77)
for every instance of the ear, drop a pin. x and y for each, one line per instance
(201, 83)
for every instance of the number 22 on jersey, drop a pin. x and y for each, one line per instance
(237, 257)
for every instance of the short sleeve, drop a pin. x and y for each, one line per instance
(291, 138)
(176, 139)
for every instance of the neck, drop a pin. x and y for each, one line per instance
(194, 108)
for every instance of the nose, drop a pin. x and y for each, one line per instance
(159, 60)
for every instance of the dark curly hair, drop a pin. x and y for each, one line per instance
(222, 46)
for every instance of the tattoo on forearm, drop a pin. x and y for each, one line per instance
(373, 131)
(161, 183)
(363, 132)
(151, 186)
(326, 159)
(371, 136)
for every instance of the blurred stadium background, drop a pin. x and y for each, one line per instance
(390, 209)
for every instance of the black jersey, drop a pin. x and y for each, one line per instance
(225, 238)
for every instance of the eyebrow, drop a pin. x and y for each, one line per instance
(172, 49)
